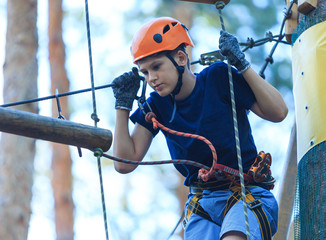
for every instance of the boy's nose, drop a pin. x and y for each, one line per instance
(152, 77)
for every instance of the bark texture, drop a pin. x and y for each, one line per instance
(61, 160)
(17, 153)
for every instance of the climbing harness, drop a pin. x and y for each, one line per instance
(253, 203)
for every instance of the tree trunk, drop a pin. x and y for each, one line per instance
(17, 153)
(61, 160)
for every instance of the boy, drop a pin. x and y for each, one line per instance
(200, 104)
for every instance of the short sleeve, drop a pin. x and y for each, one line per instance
(139, 117)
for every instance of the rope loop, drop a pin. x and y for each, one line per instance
(149, 117)
(250, 42)
(98, 152)
(270, 59)
(220, 5)
(95, 117)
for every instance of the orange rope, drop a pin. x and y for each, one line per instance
(204, 174)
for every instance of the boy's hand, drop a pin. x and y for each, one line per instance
(230, 48)
(125, 89)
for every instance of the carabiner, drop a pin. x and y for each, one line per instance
(142, 99)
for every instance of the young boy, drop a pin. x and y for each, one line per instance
(199, 104)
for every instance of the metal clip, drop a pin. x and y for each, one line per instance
(58, 104)
(142, 99)
(253, 204)
(210, 58)
(62, 117)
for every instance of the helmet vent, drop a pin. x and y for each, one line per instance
(174, 23)
(166, 28)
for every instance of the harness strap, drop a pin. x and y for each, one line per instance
(194, 207)
(253, 204)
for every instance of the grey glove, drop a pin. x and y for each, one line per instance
(125, 88)
(230, 48)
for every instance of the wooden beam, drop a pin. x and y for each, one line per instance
(53, 129)
(306, 6)
(287, 189)
(292, 22)
(208, 1)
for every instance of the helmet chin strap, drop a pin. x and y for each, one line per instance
(181, 70)
(177, 88)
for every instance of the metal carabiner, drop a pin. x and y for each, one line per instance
(142, 98)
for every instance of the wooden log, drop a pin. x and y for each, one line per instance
(292, 22)
(208, 1)
(287, 189)
(53, 129)
(306, 6)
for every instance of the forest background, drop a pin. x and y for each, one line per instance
(147, 203)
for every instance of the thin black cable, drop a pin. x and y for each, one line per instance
(54, 96)
(269, 58)
(94, 114)
(96, 120)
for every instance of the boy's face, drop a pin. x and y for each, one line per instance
(160, 73)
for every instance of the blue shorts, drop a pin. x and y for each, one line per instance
(214, 204)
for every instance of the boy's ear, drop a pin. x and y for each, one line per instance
(181, 58)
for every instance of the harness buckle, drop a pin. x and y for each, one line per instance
(253, 204)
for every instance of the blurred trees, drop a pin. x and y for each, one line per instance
(61, 160)
(20, 71)
(243, 18)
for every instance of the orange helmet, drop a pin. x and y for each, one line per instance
(161, 34)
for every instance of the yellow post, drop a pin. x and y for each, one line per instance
(309, 71)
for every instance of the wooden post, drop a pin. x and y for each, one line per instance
(287, 189)
(55, 130)
(308, 62)
(292, 22)
(306, 6)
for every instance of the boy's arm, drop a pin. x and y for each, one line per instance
(269, 103)
(131, 147)
(135, 146)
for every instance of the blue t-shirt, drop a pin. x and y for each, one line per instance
(207, 111)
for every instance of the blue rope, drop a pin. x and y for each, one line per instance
(94, 114)
(219, 6)
(98, 152)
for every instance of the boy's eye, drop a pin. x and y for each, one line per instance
(156, 67)
(144, 73)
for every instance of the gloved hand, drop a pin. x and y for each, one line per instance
(230, 48)
(125, 88)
